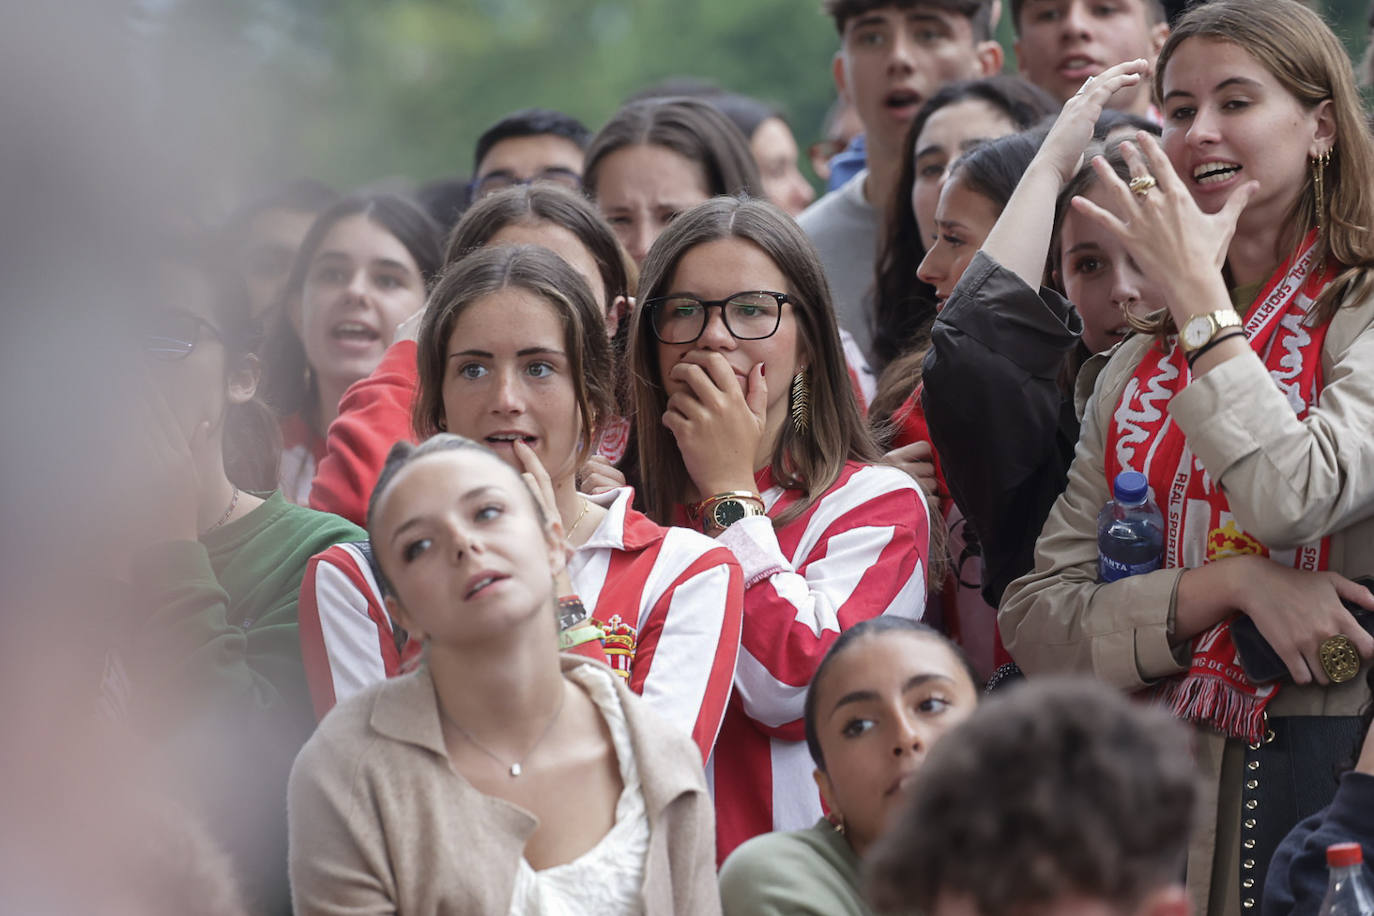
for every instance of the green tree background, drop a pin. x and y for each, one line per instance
(355, 91)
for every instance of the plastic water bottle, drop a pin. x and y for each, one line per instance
(1130, 530)
(1348, 890)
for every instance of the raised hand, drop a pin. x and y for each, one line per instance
(1021, 237)
(1177, 246)
(718, 427)
(598, 475)
(1063, 147)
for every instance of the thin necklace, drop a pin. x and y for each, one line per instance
(586, 507)
(514, 768)
(233, 501)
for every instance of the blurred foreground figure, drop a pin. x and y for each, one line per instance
(1058, 796)
(90, 168)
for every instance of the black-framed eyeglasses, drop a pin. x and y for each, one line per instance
(172, 335)
(500, 180)
(749, 315)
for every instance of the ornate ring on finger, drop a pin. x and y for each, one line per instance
(1141, 185)
(1339, 659)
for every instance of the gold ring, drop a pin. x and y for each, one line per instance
(1339, 659)
(1141, 184)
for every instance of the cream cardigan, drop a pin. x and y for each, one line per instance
(380, 822)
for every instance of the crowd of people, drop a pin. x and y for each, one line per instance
(623, 530)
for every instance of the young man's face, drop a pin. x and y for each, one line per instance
(891, 60)
(521, 160)
(1061, 43)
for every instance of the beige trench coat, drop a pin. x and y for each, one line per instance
(1289, 482)
(382, 823)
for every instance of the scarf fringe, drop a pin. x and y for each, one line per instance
(1208, 701)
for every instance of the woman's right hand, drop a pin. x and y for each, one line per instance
(1062, 149)
(1297, 610)
(598, 475)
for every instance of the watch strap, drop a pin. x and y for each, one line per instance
(1195, 355)
(1217, 321)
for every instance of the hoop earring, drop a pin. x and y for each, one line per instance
(799, 402)
(1319, 164)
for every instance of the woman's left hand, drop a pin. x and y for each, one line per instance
(597, 475)
(1175, 244)
(718, 427)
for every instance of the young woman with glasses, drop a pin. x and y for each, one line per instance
(749, 430)
(213, 665)
(513, 353)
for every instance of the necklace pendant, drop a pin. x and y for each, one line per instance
(515, 770)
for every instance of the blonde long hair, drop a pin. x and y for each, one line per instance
(1301, 52)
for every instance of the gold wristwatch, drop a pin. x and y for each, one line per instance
(724, 509)
(1200, 330)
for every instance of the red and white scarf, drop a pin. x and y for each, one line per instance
(1199, 526)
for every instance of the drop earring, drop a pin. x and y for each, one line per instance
(800, 402)
(1319, 164)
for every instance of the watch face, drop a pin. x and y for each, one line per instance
(1197, 331)
(726, 512)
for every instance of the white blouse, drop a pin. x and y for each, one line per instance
(607, 879)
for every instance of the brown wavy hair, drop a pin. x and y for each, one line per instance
(810, 461)
(689, 127)
(1301, 52)
(538, 271)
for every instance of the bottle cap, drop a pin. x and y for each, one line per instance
(1131, 488)
(1340, 855)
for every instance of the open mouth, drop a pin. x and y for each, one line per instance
(354, 331)
(1078, 67)
(1214, 172)
(902, 102)
(482, 583)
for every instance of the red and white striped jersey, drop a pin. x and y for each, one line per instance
(860, 551)
(681, 591)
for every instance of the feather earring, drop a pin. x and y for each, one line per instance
(799, 403)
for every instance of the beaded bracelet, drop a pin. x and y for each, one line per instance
(571, 612)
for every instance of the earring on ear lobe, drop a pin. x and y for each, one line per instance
(1319, 164)
(442, 424)
(800, 402)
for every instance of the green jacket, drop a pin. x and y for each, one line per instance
(217, 679)
(812, 871)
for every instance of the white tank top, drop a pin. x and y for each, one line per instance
(607, 879)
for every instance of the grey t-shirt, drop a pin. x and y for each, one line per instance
(844, 228)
